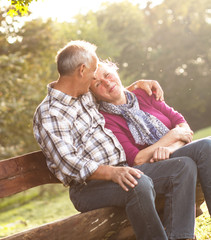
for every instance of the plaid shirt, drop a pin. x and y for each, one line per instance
(71, 134)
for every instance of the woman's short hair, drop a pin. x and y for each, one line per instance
(74, 54)
(108, 63)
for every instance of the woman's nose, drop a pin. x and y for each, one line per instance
(105, 82)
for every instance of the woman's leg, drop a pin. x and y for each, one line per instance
(200, 152)
(176, 179)
(138, 202)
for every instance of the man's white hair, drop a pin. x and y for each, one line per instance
(74, 54)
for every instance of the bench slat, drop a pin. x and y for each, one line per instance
(24, 172)
(106, 223)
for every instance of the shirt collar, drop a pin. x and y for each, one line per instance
(67, 99)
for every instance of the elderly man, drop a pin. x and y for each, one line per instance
(85, 155)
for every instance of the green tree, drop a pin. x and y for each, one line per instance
(19, 7)
(170, 43)
(25, 60)
(27, 65)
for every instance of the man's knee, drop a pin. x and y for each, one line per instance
(145, 186)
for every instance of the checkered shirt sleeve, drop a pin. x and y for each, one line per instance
(74, 140)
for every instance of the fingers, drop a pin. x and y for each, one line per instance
(123, 186)
(182, 134)
(157, 90)
(159, 95)
(190, 138)
(128, 181)
(151, 86)
(125, 177)
(187, 137)
(148, 90)
(160, 154)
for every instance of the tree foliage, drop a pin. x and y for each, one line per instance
(170, 43)
(21, 81)
(19, 7)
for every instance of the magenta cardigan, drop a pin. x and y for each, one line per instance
(119, 126)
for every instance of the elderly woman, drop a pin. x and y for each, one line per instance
(150, 132)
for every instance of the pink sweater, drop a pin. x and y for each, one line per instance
(119, 127)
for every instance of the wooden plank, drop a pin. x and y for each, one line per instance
(24, 172)
(103, 224)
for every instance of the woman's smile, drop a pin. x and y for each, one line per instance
(112, 88)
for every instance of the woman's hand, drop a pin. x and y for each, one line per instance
(162, 149)
(183, 134)
(161, 153)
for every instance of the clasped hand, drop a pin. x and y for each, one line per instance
(179, 134)
(183, 134)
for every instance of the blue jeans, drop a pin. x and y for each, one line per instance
(200, 152)
(175, 178)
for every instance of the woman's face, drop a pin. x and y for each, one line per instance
(107, 86)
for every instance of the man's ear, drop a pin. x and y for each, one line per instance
(82, 69)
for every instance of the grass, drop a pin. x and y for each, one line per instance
(203, 225)
(203, 222)
(34, 207)
(44, 204)
(202, 133)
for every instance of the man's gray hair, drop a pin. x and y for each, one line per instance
(74, 54)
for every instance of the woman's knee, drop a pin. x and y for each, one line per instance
(189, 166)
(201, 145)
(204, 144)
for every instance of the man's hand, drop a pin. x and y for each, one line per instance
(150, 86)
(125, 176)
(120, 175)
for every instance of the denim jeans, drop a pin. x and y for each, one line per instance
(175, 178)
(200, 152)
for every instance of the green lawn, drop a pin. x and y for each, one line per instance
(203, 223)
(34, 207)
(44, 204)
(202, 133)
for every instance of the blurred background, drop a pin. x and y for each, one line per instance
(169, 41)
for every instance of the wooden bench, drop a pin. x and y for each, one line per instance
(24, 172)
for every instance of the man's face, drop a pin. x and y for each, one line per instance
(89, 74)
(107, 85)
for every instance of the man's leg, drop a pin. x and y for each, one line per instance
(176, 179)
(200, 152)
(138, 202)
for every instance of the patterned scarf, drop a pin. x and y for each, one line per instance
(144, 127)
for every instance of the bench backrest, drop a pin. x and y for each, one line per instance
(30, 170)
(21, 173)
